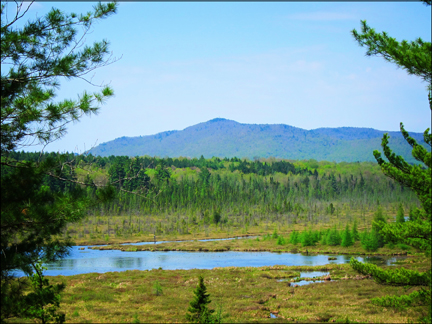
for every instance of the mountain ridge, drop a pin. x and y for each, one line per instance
(222, 137)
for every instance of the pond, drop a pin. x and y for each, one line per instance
(87, 260)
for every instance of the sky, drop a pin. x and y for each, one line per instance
(294, 63)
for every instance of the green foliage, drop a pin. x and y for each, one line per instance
(370, 241)
(307, 238)
(355, 234)
(414, 57)
(404, 246)
(275, 234)
(41, 303)
(331, 208)
(333, 237)
(294, 237)
(157, 288)
(280, 241)
(395, 276)
(198, 311)
(400, 216)
(40, 197)
(136, 319)
(378, 223)
(347, 239)
(216, 216)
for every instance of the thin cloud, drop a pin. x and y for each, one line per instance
(321, 16)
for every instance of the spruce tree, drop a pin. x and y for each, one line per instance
(378, 223)
(307, 238)
(294, 237)
(415, 58)
(355, 233)
(346, 237)
(199, 313)
(333, 237)
(400, 216)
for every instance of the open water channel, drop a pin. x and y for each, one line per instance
(100, 261)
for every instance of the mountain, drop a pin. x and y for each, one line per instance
(227, 138)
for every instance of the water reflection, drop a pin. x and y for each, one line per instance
(113, 260)
(312, 274)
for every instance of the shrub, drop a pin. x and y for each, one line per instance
(157, 288)
(404, 246)
(280, 241)
(275, 234)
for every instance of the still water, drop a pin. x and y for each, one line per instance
(87, 261)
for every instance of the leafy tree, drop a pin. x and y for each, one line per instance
(414, 57)
(199, 313)
(33, 216)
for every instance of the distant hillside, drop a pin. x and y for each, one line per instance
(227, 138)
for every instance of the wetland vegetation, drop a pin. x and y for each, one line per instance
(246, 294)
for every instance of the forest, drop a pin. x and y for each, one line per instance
(180, 196)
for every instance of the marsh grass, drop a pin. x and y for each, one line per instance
(99, 230)
(245, 294)
(254, 245)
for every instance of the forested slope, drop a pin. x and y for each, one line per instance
(226, 138)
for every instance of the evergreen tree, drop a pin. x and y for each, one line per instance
(400, 216)
(199, 313)
(415, 58)
(307, 238)
(333, 237)
(378, 223)
(294, 237)
(355, 234)
(370, 241)
(346, 237)
(33, 216)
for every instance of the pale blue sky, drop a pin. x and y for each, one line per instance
(292, 63)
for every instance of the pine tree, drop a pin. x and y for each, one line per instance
(36, 55)
(415, 58)
(199, 313)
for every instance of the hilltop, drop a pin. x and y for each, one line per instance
(227, 138)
